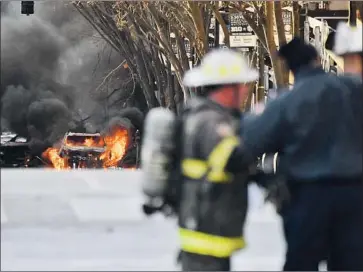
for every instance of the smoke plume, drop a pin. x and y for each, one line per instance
(129, 117)
(50, 63)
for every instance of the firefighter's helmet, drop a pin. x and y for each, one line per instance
(220, 66)
(348, 40)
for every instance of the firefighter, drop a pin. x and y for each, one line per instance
(213, 200)
(317, 130)
(350, 51)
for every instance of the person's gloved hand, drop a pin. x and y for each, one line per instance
(152, 207)
(278, 193)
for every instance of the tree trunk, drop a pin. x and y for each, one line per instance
(160, 73)
(222, 23)
(179, 96)
(279, 23)
(201, 37)
(296, 9)
(148, 89)
(252, 85)
(183, 57)
(280, 27)
(171, 93)
(352, 13)
(268, 25)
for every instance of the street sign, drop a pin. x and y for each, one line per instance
(241, 34)
(244, 49)
(239, 25)
(287, 19)
(243, 41)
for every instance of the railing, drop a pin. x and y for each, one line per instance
(320, 30)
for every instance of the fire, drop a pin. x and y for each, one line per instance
(115, 147)
(57, 161)
(88, 142)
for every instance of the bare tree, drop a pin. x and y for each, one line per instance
(157, 39)
(103, 17)
(262, 16)
(296, 9)
(161, 40)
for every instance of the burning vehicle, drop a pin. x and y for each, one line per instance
(82, 150)
(118, 147)
(15, 152)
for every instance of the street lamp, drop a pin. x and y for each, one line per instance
(27, 7)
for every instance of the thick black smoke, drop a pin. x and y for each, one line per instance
(127, 117)
(50, 63)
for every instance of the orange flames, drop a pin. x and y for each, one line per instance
(57, 161)
(115, 146)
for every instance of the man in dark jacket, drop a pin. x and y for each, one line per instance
(317, 130)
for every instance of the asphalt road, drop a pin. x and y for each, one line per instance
(91, 221)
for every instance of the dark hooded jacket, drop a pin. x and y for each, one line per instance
(316, 128)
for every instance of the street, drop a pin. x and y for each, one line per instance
(91, 220)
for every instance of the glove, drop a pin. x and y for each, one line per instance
(278, 193)
(152, 207)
